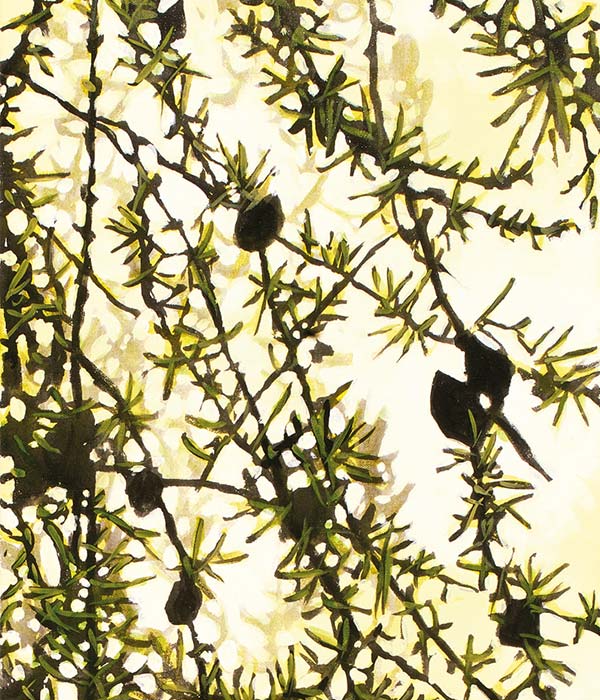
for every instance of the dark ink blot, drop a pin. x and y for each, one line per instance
(144, 490)
(13, 690)
(307, 511)
(73, 437)
(172, 18)
(62, 459)
(518, 623)
(258, 225)
(488, 371)
(183, 602)
(451, 402)
(320, 351)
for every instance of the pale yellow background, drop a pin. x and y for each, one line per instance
(424, 66)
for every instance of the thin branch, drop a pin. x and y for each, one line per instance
(373, 59)
(433, 265)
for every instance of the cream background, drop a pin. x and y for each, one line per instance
(559, 286)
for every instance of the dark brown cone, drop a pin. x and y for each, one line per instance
(258, 225)
(183, 602)
(518, 622)
(307, 511)
(144, 490)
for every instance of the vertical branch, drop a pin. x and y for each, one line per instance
(432, 265)
(86, 230)
(88, 692)
(371, 53)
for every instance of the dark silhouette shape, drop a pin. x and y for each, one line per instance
(15, 437)
(307, 511)
(73, 436)
(14, 690)
(183, 602)
(519, 624)
(259, 224)
(144, 490)
(320, 352)
(451, 401)
(173, 18)
(488, 371)
(65, 459)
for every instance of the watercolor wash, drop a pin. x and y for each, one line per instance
(298, 349)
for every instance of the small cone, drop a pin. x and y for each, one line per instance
(144, 491)
(183, 602)
(518, 622)
(306, 511)
(258, 225)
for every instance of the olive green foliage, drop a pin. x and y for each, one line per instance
(356, 572)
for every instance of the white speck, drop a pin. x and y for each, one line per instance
(9, 258)
(155, 662)
(297, 480)
(113, 648)
(67, 669)
(307, 441)
(337, 422)
(34, 625)
(18, 673)
(117, 618)
(147, 683)
(357, 675)
(290, 459)
(6, 465)
(16, 408)
(57, 493)
(17, 221)
(134, 662)
(9, 638)
(29, 514)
